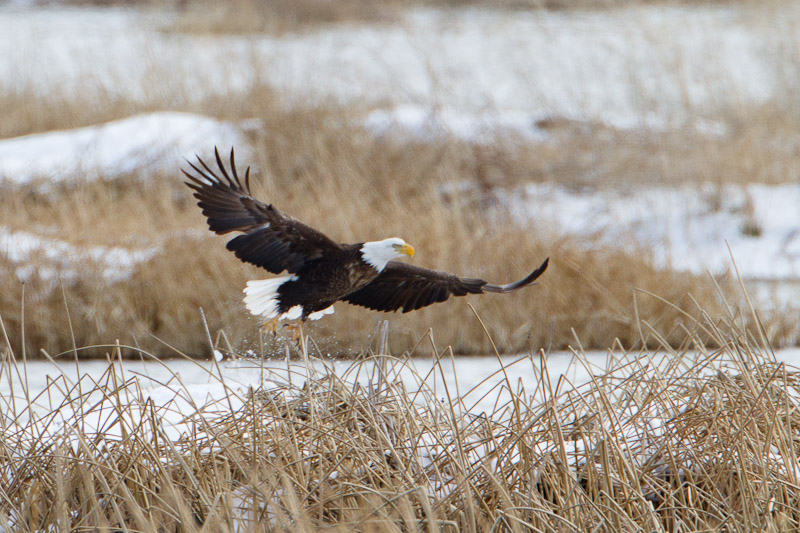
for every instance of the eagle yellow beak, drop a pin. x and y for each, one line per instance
(406, 249)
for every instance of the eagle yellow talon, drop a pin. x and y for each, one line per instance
(270, 326)
(296, 330)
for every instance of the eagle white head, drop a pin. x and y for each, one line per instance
(378, 253)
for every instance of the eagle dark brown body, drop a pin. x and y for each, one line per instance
(328, 279)
(320, 270)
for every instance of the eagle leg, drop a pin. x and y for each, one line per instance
(271, 326)
(297, 332)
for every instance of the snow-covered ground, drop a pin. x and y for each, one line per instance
(692, 227)
(142, 143)
(200, 378)
(655, 66)
(180, 387)
(57, 260)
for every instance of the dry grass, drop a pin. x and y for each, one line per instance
(751, 145)
(330, 175)
(661, 442)
(322, 168)
(281, 16)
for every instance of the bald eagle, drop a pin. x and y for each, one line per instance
(320, 270)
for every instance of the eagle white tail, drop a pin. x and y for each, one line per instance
(261, 296)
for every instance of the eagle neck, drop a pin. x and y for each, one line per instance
(376, 254)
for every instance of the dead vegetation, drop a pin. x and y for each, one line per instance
(693, 427)
(320, 166)
(670, 440)
(280, 16)
(353, 187)
(284, 16)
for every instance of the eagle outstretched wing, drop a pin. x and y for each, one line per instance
(409, 287)
(271, 239)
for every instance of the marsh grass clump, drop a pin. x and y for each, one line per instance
(661, 440)
(751, 228)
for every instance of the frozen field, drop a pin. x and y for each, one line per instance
(471, 377)
(636, 67)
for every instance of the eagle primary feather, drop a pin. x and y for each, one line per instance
(322, 270)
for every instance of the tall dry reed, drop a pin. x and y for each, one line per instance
(663, 440)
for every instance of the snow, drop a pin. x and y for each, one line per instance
(142, 143)
(480, 383)
(55, 259)
(692, 227)
(420, 123)
(650, 66)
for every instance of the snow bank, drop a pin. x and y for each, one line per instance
(686, 228)
(149, 142)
